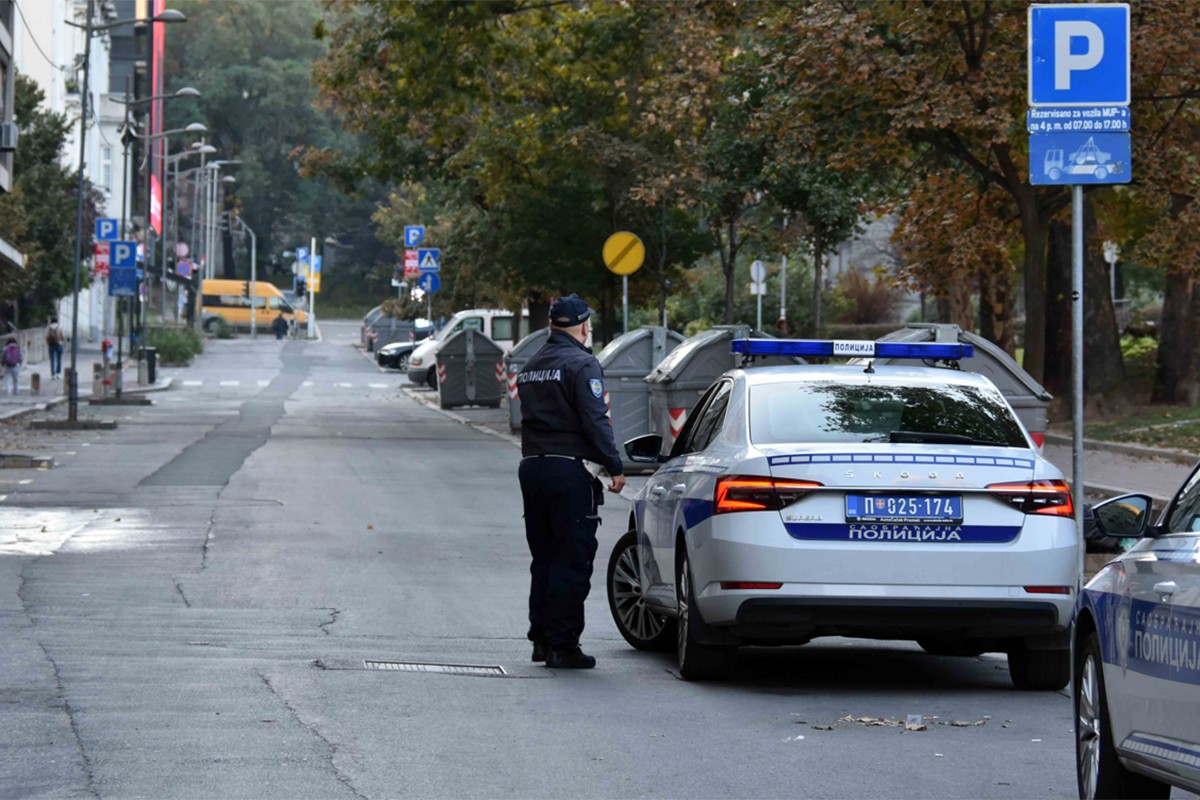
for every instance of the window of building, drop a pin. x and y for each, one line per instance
(106, 175)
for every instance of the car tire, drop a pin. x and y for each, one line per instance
(697, 661)
(211, 324)
(1098, 771)
(431, 377)
(950, 647)
(1039, 670)
(642, 628)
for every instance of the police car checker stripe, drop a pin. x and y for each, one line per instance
(897, 458)
(1166, 749)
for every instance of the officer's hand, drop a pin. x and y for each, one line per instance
(618, 483)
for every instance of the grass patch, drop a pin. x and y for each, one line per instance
(1175, 427)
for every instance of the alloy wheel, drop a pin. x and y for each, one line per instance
(1087, 727)
(629, 603)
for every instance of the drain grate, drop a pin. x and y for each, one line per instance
(445, 669)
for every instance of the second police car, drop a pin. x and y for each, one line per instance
(1137, 653)
(889, 502)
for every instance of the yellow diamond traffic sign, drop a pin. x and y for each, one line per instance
(624, 253)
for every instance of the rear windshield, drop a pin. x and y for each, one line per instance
(834, 412)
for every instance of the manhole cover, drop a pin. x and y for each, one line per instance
(445, 669)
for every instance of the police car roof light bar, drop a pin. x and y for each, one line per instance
(852, 348)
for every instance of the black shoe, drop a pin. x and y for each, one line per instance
(539, 652)
(569, 659)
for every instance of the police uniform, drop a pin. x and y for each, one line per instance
(564, 423)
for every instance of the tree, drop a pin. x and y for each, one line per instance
(38, 216)
(252, 62)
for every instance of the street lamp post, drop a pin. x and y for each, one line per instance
(88, 30)
(253, 276)
(202, 150)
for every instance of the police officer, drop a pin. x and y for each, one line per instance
(564, 432)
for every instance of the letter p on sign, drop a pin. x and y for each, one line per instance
(1066, 32)
(1079, 55)
(106, 229)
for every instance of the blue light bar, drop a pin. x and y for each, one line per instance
(852, 348)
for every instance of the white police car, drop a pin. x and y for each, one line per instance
(1137, 653)
(886, 502)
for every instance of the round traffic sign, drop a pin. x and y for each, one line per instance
(758, 272)
(623, 253)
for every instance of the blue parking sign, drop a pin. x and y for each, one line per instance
(1079, 55)
(106, 229)
(122, 254)
(413, 235)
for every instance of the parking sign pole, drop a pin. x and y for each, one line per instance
(1077, 363)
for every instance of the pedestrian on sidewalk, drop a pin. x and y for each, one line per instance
(10, 358)
(566, 443)
(280, 326)
(54, 340)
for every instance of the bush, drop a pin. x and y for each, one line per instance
(225, 330)
(175, 345)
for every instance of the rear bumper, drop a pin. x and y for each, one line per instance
(418, 375)
(791, 617)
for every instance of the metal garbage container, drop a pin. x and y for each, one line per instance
(626, 362)
(470, 370)
(514, 361)
(1027, 397)
(679, 380)
(149, 357)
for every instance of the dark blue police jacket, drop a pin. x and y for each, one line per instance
(562, 404)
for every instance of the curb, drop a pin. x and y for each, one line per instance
(1177, 456)
(161, 386)
(459, 418)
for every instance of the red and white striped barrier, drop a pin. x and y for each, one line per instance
(512, 382)
(441, 372)
(500, 373)
(678, 418)
(608, 404)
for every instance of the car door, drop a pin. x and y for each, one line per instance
(657, 547)
(1156, 680)
(1170, 641)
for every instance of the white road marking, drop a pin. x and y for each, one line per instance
(264, 383)
(26, 481)
(344, 385)
(307, 383)
(378, 385)
(231, 383)
(193, 383)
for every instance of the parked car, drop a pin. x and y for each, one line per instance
(496, 324)
(395, 355)
(1137, 653)
(890, 502)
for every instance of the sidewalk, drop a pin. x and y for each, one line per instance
(54, 392)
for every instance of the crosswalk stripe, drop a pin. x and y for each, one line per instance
(264, 383)
(193, 383)
(378, 385)
(231, 383)
(307, 383)
(344, 385)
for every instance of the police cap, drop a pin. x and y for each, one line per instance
(569, 311)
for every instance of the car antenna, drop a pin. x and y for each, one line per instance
(870, 370)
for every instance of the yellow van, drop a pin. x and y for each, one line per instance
(230, 300)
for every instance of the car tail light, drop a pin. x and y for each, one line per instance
(1037, 497)
(743, 493)
(750, 585)
(1048, 589)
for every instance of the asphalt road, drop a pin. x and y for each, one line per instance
(188, 606)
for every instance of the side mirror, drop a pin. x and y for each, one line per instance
(645, 449)
(284, 307)
(1124, 517)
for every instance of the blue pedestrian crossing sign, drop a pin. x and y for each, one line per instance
(429, 259)
(1060, 159)
(106, 229)
(413, 235)
(429, 283)
(1079, 55)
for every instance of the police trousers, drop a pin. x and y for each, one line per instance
(561, 515)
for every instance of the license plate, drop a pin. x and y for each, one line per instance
(904, 508)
